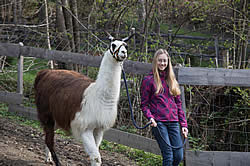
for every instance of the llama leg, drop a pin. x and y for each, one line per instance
(98, 134)
(91, 148)
(49, 140)
(48, 155)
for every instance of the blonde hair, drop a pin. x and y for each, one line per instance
(170, 79)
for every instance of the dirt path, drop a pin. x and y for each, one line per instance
(24, 146)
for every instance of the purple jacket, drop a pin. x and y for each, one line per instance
(162, 107)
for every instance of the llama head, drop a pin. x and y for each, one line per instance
(118, 48)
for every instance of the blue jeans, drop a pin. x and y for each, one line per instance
(171, 133)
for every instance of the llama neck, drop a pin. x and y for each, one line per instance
(109, 76)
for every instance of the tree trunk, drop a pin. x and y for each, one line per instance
(141, 14)
(244, 52)
(62, 42)
(157, 18)
(76, 29)
(68, 24)
(42, 13)
(3, 10)
(15, 12)
(235, 38)
(141, 10)
(246, 33)
(9, 8)
(19, 11)
(47, 30)
(148, 8)
(93, 8)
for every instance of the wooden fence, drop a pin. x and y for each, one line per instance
(217, 51)
(185, 76)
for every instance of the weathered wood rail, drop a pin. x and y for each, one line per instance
(185, 76)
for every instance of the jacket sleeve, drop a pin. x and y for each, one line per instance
(145, 98)
(181, 113)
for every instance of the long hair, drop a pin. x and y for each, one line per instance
(170, 79)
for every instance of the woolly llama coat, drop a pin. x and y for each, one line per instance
(75, 102)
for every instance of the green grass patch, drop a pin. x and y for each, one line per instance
(142, 158)
(20, 120)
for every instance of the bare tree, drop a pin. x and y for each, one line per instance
(141, 11)
(5, 7)
(240, 33)
(14, 12)
(244, 34)
(148, 6)
(157, 17)
(62, 42)
(76, 32)
(19, 11)
(68, 24)
(47, 30)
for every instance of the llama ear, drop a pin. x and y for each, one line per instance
(111, 38)
(113, 46)
(128, 38)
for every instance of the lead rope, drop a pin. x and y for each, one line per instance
(134, 122)
(130, 105)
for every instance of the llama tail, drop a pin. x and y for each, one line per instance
(39, 76)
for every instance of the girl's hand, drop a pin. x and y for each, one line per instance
(184, 131)
(154, 124)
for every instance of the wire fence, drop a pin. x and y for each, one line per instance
(218, 117)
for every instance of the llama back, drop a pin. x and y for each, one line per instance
(58, 93)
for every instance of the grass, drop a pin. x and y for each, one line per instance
(142, 158)
(20, 120)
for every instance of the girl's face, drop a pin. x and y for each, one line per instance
(162, 62)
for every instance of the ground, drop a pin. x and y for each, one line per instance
(22, 145)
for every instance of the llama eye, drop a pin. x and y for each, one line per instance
(126, 46)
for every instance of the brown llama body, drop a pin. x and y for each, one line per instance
(59, 95)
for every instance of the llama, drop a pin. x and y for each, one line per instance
(76, 103)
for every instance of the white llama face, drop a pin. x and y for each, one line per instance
(119, 50)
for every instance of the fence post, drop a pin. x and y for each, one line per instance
(216, 46)
(133, 32)
(169, 39)
(189, 62)
(216, 62)
(20, 70)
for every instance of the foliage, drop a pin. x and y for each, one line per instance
(196, 143)
(218, 118)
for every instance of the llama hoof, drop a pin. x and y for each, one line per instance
(96, 162)
(48, 156)
(48, 161)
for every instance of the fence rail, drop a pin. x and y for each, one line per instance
(205, 158)
(185, 75)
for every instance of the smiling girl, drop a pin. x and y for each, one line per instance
(161, 104)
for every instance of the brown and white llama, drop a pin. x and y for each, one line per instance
(79, 104)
